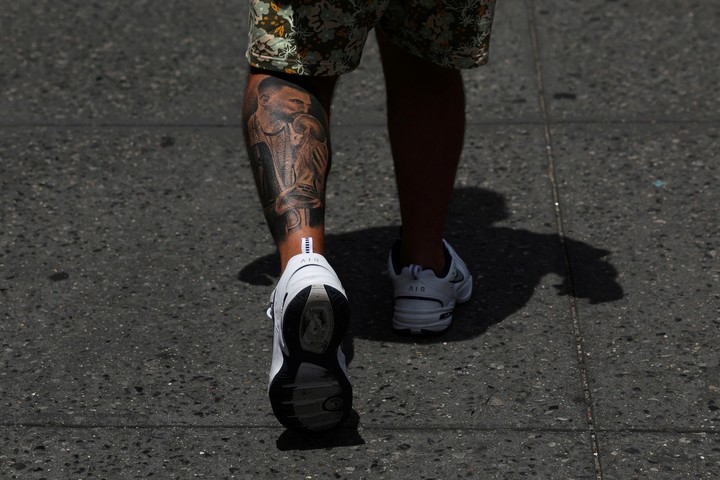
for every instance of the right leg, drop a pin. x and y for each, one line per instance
(426, 122)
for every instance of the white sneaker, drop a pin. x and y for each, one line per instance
(424, 303)
(309, 387)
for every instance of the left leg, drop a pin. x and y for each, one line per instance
(285, 120)
(295, 62)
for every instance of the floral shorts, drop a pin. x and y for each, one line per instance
(326, 37)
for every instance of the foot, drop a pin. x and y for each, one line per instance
(424, 301)
(309, 387)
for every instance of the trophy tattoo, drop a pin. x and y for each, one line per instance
(289, 154)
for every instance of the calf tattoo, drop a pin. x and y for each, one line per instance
(289, 154)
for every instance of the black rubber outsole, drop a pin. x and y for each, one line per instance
(311, 392)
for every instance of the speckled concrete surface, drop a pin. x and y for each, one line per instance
(623, 60)
(660, 339)
(135, 266)
(239, 452)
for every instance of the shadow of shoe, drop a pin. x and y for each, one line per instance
(507, 265)
(344, 436)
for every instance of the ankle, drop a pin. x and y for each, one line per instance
(297, 244)
(429, 259)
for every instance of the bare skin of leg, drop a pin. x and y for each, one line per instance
(286, 128)
(426, 122)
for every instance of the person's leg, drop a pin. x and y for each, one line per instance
(285, 119)
(426, 122)
(288, 142)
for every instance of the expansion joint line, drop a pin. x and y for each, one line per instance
(579, 350)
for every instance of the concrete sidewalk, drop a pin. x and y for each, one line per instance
(135, 266)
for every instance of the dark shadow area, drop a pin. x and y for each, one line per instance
(507, 265)
(345, 436)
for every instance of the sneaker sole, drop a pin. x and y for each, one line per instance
(422, 323)
(311, 391)
(428, 321)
